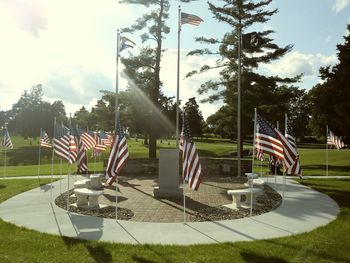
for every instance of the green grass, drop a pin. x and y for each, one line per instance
(23, 159)
(330, 243)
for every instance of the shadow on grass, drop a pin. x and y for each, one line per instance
(2, 186)
(252, 257)
(323, 167)
(27, 156)
(99, 253)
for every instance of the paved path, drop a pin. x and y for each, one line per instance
(303, 209)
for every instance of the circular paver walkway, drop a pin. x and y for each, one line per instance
(302, 209)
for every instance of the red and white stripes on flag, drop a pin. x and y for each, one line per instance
(87, 137)
(271, 141)
(6, 140)
(64, 144)
(334, 140)
(191, 166)
(295, 168)
(118, 156)
(190, 19)
(82, 158)
(260, 155)
(44, 139)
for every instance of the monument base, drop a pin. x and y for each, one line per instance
(163, 192)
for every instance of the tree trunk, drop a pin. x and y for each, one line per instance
(152, 151)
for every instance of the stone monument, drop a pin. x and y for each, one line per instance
(168, 178)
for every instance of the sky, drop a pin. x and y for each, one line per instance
(70, 46)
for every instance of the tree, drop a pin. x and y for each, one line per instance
(263, 92)
(330, 102)
(194, 117)
(150, 58)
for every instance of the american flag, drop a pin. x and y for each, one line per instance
(125, 43)
(64, 144)
(295, 168)
(190, 19)
(273, 142)
(99, 146)
(6, 140)
(260, 155)
(106, 138)
(87, 138)
(191, 166)
(118, 156)
(81, 155)
(44, 139)
(334, 140)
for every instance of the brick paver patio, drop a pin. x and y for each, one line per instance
(136, 194)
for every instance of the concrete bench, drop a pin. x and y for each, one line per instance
(237, 194)
(256, 182)
(87, 197)
(85, 183)
(95, 181)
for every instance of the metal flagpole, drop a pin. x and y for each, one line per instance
(327, 132)
(116, 116)
(39, 156)
(69, 165)
(178, 79)
(254, 137)
(178, 106)
(251, 185)
(5, 163)
(52, 156)
(239, 99)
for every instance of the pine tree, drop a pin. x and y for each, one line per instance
(331, 99)
(267, 93)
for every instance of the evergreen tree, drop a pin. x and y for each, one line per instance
(194, 117)
(263, 92)
(331, 99)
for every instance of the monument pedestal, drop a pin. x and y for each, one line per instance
(168, 178)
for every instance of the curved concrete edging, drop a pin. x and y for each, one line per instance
(303, 209)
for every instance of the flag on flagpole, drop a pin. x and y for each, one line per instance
(118, 156)
(251, 40)
(295, 168)
(191, 166)
(6, 140)
(260, 155)
(87, 138)
(106, 138)
(190, 19)
(44, 139)
(125, 43)
(271, 141)
(64, 144)
(81, 151)
(334, 140)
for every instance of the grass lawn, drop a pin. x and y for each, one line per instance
(23, 159)
(330, 243)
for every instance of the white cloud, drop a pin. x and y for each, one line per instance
(188, 86)
(339, 5)
(295, 63)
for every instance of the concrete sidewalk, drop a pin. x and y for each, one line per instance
(303, 209)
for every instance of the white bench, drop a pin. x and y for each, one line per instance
(87, 197)
(256, 182)
(237, 194)
(85, 183)
(95, 181)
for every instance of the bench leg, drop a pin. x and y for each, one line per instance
(236, 200)
(81, 200)
(93, 201)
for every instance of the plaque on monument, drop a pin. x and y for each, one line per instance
(168, 178)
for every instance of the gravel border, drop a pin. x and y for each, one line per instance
(270, 200)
